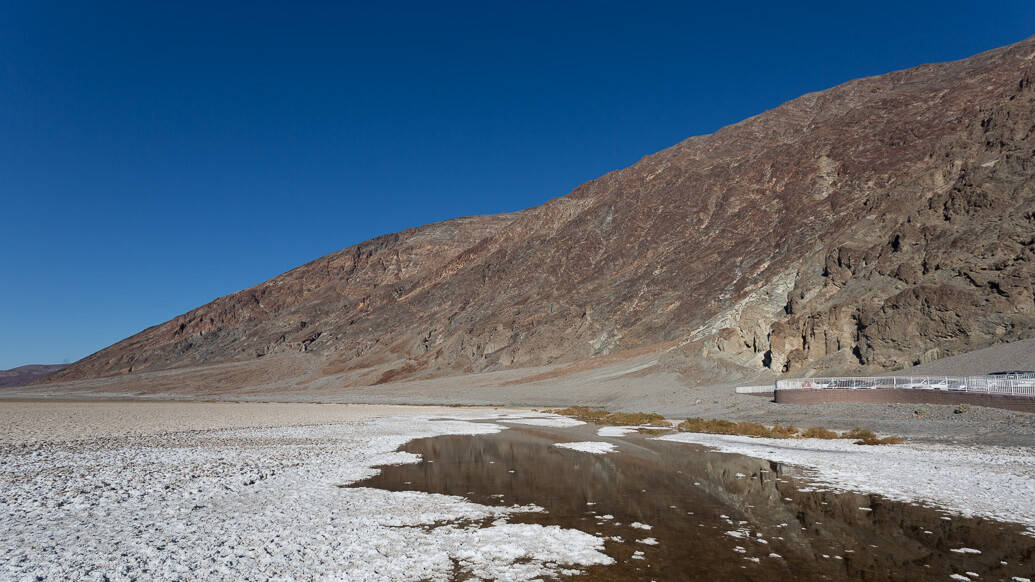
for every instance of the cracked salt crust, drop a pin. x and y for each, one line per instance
(990, 482)
(260, 504)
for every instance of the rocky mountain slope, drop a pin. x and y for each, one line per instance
(884, 222)
(23, 375)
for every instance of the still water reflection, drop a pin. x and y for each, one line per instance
(713, 516)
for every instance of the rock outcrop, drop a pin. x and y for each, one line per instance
(884, 222)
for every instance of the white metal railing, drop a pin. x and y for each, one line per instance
(755, 389)
(1012, 384)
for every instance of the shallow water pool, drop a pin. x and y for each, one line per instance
(679, 512)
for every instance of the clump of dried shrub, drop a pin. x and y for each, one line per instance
(601, 416)
(859, 434)
(818, 432)
(866, 437)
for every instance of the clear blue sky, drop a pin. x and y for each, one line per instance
(154, 157)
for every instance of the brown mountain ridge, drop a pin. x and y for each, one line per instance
(884, 222)
(23, 375)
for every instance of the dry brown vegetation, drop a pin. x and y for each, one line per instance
(858, 433)
(601, 416)
(716, 426)
(867, 437)
(818, 432)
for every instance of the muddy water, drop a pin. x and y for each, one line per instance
(714, 516)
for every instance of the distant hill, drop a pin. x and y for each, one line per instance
(25, 374)
(886, 222)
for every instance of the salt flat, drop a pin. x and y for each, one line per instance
(153, 491)
(223, 491)
(985, 481)
(65, 420)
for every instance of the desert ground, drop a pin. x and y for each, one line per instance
(633, 384)
(155, 477)
(125, 490)
(129, 491)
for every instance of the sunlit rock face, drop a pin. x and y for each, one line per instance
(880, 223)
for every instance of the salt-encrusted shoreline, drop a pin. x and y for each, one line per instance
(616, 431)
(991, 482)
(259, 504)
(592, 447)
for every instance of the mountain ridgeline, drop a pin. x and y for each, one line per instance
(884, 222)
(23, 375)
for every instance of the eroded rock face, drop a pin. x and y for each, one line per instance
(886, 221)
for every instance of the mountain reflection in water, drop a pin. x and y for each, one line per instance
(714, 516)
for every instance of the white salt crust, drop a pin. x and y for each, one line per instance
(620, 431)
(990, 482)
(592, 447)
(615, 431)
(260, 504)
